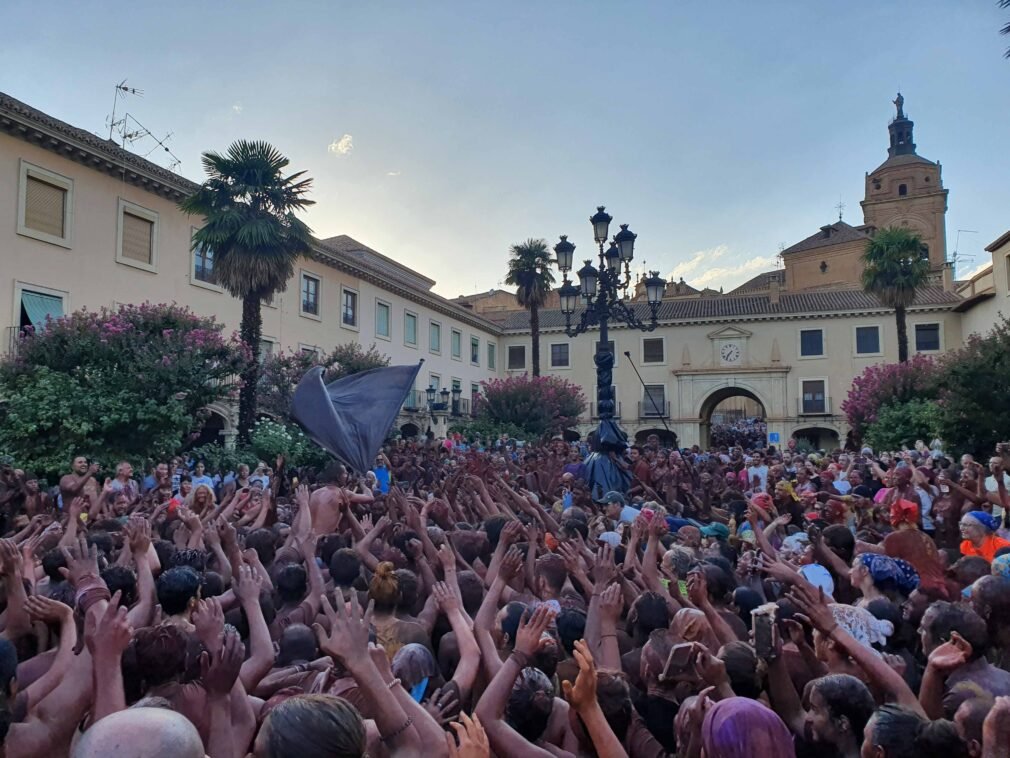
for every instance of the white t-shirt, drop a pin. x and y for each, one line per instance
(759, 471)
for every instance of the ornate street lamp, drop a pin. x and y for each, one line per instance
(456, 392)
(445, 397)
(430, 392)
(603, 292)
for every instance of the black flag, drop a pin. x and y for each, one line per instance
(349, 418)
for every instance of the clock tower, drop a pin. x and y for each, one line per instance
(730, 347)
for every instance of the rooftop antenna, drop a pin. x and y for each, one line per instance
(121, 90)
(956, 257)
(840, 207)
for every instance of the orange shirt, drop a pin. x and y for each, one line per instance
(990, 545)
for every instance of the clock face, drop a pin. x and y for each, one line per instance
(730, 352)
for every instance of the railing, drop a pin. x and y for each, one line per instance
(817, 406)
(10, 346)
(649, 409)
(417, 400)
(594, 410)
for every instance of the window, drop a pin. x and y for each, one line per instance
(813, 396)
(457, 384)
(457, 344)
(137, 243)
(652, 350)
(867, 340)
(38, 305)
(202, 273)
(310, 295)
(902, 190)
(382, 319)
(409, 328)
(266, 348)
(435, 337)
(349, 308)
(474, 390)
(517, 357)
(434, 380)
(559, 355)
(654, 400)
(491, 357)
(475, 351)
(45, 204)
(811, 343)
(308, 350)
(927, 337)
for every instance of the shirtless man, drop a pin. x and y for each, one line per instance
(327, 501)
(80, 482)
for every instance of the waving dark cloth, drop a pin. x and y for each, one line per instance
(349, 418)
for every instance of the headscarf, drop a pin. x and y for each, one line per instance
(739, 727)
(414, 665)
(883, 568)
(904, 511)
(861, 624)
(787, 487)
(762, 500)
(984, 519)
(1001, 565)
(834, 511)
(690, 625)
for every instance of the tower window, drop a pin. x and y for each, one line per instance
(902, 190)
(824, 267)
(926, 179)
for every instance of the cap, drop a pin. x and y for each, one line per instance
(719, 531)
(613, 497)
(611, 538)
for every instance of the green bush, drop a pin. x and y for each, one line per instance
(487, 430)
(900, 424)
(270, 439)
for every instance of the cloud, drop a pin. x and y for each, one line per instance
(341, 146)
(699, 272)
(237, 109)
(392, 173)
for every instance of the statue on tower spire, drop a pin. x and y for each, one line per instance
(899, 103)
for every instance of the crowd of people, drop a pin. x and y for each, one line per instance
(465, 600)
(747, 433)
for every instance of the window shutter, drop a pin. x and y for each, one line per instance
(652, 351)
(137, 233)
(45, 206)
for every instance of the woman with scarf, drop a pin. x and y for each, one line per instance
(978, 529)
(908, 543)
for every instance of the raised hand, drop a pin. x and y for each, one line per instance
(46, 609)
(138, 534)
(951, 655)
(446, 558)
(247, 583)
(531, 630)
(82, 561)
(302, 495)
(510, 532)
(219, 670)
(445, 597)
(11, 559)
(697, 588)
(612, 603)
(208, 618)
(583, 693)
(442, 705)
(604, 569)
(511, 564)
(348, 637)
(109, 635)
(810, 600)
(473, 742)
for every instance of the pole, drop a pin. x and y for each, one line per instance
(659, 413)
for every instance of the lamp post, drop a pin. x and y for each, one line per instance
(456, 392)
(603, 291)
(430, 392)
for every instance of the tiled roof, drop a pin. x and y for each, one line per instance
(832, 234)
(902, 160)
(758, 284)
(110, 149)
(363, 254)
(753, 306)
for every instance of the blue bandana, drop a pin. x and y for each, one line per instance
(985, 520)
(417, 691)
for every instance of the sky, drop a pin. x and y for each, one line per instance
(440, 133)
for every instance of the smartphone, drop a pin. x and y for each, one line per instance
(679, 664)
(762, 621)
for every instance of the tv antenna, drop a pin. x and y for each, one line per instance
(121, 90)
(956, 257)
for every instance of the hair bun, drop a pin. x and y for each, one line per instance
(384, 570)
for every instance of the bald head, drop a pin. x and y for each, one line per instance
(141, 733)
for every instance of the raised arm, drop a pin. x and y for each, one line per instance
(52, 611)
(469, 652)
(247, 586)
(107, 638)
(582, 697)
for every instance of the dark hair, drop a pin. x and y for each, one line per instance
(193, 557)
(551, 567)
(885, 610)
(942, 618)
(315, 726)
(841, 541)
(212, 585)
(530, 704)
(510, 623)
(493, 527)
(292, 583)
(52, 562)
(614, 697)
(746, 600)
(741, 668)
(471, 588)
(157, 653)
(970, 568)
(297, 643)
(574, 526)
(651, 613)
(345, 567)
(571, 624)
(103, 540)
(264, 542)
(176, 587)
(903, 733)
(846, 697)
(121, 578)
(720, 581)
(164, 550)
(409, 589)
(990, 598)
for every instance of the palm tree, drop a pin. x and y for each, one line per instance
(530, 273)
(1006, 27)
(248, 207)
(895, 266)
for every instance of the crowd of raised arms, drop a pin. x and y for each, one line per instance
(463, 600)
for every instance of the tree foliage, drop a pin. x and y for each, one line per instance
(887, 383)
(529, 271)
(248, 208)
(116, 384)
(899, 424)
(537, 405)
(282, 372)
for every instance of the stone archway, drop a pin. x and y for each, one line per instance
(221, 426)
(666, 437)
(819, 437)
(409, 431)
(708, 408)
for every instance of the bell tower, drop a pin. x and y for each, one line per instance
(906, 190)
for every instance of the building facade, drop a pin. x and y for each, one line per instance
(89, 224)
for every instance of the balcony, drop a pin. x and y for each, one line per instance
(11, 339)
(650, 409)
(417, 402)
(594, 410)
(815, 406)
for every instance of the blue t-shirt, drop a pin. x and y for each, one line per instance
(382, 477)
